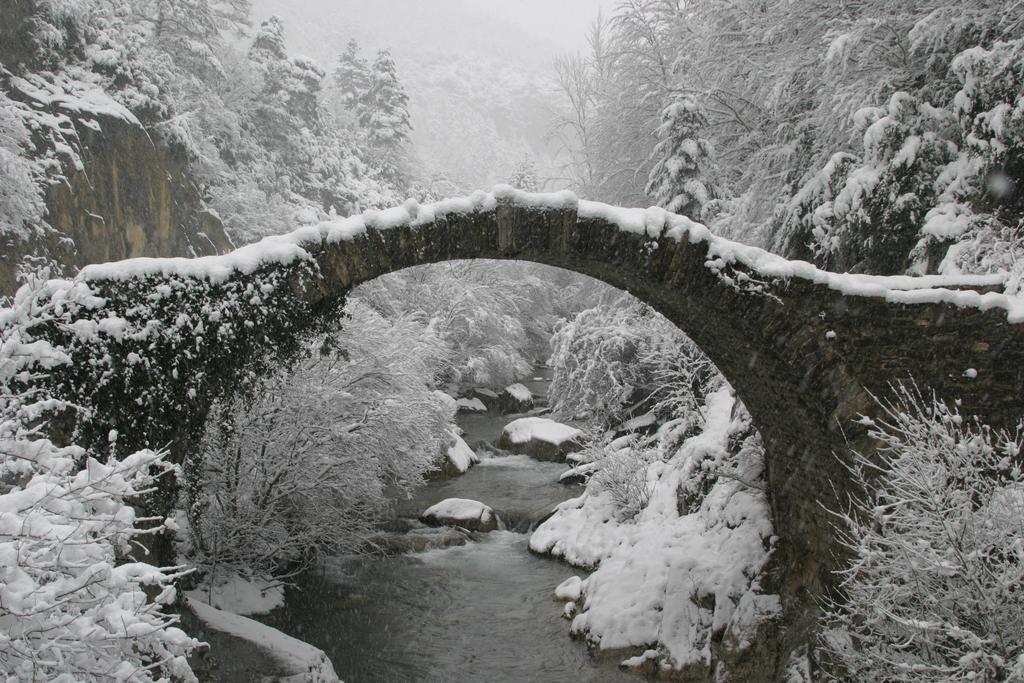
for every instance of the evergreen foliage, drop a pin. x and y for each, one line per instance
(352, 78)
(680, 180)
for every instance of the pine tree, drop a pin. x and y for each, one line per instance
(385, 116)
(268, 43)
(384, 119)
(679, 180)
(294, 82)
(524, 176)
(352, 77)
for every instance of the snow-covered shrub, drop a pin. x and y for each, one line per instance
(988, 246)
(623, 477)
(77, 604)
(301, 468)
(524, 176)
(933, 591)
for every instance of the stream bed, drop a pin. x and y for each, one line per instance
(482, 611)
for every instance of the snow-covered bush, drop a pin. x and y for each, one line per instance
(622, 475)
(987, 245)
(933, 591)
(595, 358)
(301, 468)
(78, 605)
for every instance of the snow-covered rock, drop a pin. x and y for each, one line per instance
(461, 512)
(470, 405)
(540, 438)
(515, 398)
(302, 662)
(570, 589)
(460, 456)
(487, 397)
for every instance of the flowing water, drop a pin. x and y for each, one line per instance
(483, 611)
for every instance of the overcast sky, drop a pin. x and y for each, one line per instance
(551, 26)
(557, 21)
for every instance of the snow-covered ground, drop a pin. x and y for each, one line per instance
(239, 594)
(666, 580)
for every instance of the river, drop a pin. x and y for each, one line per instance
(483, 611)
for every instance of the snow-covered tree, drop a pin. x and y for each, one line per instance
(871, 223)
(573, 125)
(933, 591)
(979, 214)
(779, 83)
(190, 31)
(385, 116)
(524, 176)
(495, 317)
(384, 119)
(620, 355)
(472, 309)
(352, 78)
(302, 468)
(292, 82)
(79, 602)
(680, 180)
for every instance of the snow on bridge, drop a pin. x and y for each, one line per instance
(654, 223)
(153, 342)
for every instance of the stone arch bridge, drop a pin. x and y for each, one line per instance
(154, 341)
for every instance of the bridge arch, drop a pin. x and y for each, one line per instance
(154, 342)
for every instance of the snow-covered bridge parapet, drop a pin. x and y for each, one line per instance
(154, 341)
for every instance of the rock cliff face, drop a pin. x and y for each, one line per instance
(133, 198)
(118, 193)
